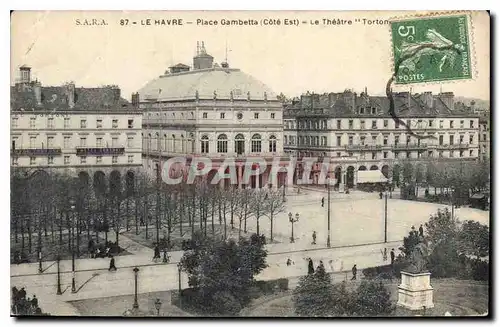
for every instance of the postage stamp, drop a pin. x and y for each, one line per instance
(431, 49)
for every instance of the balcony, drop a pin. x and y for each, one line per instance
(408, 147)
(365, 147)
(35, 152)
(454, 146)
(84, 151)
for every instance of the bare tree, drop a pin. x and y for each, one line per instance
(274, 204)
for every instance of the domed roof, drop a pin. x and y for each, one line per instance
(208, 83)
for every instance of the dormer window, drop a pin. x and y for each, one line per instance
(361, 110)
(374, 111)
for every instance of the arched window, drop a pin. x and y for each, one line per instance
(272, 143)
(222, 143)
(173, 143)
(158, 142)
(165, 142)
(149, 141)
(256, 143)
(286, 140)
(204, 144)
(317, 140)
(239, 144)
(182, 144)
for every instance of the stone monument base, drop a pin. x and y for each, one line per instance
(415, 291)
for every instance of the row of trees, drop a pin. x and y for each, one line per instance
(463, 177)
(51, 204)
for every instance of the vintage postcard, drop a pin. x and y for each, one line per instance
(250, 163)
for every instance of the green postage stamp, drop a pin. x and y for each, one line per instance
(431, 49)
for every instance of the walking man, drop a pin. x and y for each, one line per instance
(165, 256)
(384, 254)
(393, 255)
(112, 266)
(314, 238)
(354, 272)
(322, 202)
(156, 254)
(310, 267)
(421, 230)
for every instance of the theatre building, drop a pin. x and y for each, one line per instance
(213, 111)
(92, 133)
(358, 133)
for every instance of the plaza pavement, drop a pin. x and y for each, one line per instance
(353, 222)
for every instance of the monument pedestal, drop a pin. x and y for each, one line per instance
(415, 291)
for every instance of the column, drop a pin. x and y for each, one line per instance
(240, 176)
(257, 177)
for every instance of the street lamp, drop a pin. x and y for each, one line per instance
(58, 259)
(179, 268)
(40, 269)
(293, 221)
(385, 217)
(158, 306)
(136, 304)
(328, 236)
(73, 282)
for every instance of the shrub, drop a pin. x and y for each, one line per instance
(225, 303)
(283, 284)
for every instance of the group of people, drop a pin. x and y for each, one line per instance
(24, 306)
(157, 254)
(102, 251)
(310, 266)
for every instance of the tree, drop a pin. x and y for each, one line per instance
(372, 299)
(441, 228)
(257, 206)
(275, 204)
(474, 238)
(223, 271)
(313, 297)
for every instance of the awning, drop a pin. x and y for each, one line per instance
(371, 176)
(477, 196)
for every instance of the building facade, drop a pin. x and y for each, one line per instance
(211, 111)
(75, 130)
(358, 132)
(484, 136)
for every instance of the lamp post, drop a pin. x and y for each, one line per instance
(136, 304)
(40, 269)
(73, 282)
(328, 236)
(179, 267)
(158, 306)
(293, 221)
(385, 218)
(58, 259)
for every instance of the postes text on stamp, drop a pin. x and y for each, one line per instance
(431, 49)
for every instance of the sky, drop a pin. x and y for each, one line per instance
(288, 59)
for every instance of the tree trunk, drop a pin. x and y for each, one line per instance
(60, 228)
(16, 239)
(22, 236)
(239, 229)
(213, 216)
(126, 215)
(272, 216)
(181, 214)
(146, 216)
(157, 218)
(29, 235)
(117, 225)
(106, 225)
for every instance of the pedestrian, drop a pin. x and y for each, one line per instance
(380, 195)
(310, 267)
(354, 272)
(322, 202)
(384, 254)
(321, 266)
(156, 254)
(112, 266)
(165, 256)
(288, 262)
(142, 221)
(34, 301)
(421, 230)
(90, 247)
(22, 293)
(393, 256)
(314, 237)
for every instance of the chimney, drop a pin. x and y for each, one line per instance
(315, 101)
(448, 99)
(25, 72)
(135, 99)
(349, 98)
(428, 99)
(116, 94)
(70, 94)
(37, 88)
